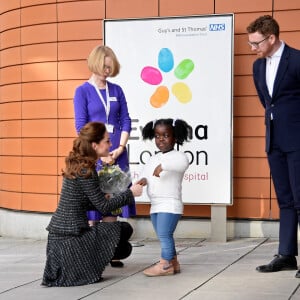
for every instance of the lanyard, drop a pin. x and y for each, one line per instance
(105, 105)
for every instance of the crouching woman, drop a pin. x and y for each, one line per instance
(77, 253)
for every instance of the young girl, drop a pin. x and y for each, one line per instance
(163, 175)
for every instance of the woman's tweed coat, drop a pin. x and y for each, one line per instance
(77, 253)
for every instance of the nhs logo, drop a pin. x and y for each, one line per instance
(216, 27)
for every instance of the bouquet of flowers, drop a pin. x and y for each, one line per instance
(113, 180)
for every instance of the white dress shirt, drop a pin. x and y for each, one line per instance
(272, 66)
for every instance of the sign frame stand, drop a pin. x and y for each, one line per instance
(218, 223)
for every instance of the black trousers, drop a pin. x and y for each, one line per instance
(124, 248)
(285, 170)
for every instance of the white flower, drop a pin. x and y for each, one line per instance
(113, 180)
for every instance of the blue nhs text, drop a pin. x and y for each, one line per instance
(216, 27)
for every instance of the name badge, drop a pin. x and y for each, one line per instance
(109, 128)
(113, 99)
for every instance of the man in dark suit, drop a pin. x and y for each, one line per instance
(276, 75)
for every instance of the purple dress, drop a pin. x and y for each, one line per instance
(88, 107)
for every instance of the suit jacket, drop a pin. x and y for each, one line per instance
(284, 105)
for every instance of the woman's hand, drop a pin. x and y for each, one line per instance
(136, 189)
(117, 152)
(108, 160)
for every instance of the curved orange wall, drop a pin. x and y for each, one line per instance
(44, 45)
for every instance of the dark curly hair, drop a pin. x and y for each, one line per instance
(181, 130)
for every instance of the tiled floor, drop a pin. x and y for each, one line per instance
(209, 271)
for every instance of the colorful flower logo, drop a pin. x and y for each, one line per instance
(153, 76)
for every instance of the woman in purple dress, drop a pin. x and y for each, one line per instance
(103, 101)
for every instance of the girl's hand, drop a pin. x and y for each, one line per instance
(142, 182)
(157, 171)
(136, 189)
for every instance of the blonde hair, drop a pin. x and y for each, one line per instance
(96, 59)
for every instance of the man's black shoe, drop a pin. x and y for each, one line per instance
(297, 274)
(279, 263)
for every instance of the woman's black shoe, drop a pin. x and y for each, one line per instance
(116, 264)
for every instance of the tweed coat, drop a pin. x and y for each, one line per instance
(77, 253)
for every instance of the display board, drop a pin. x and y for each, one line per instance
(180, 67)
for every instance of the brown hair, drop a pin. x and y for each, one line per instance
(265, 25)
(96, 60)
(82, 159)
